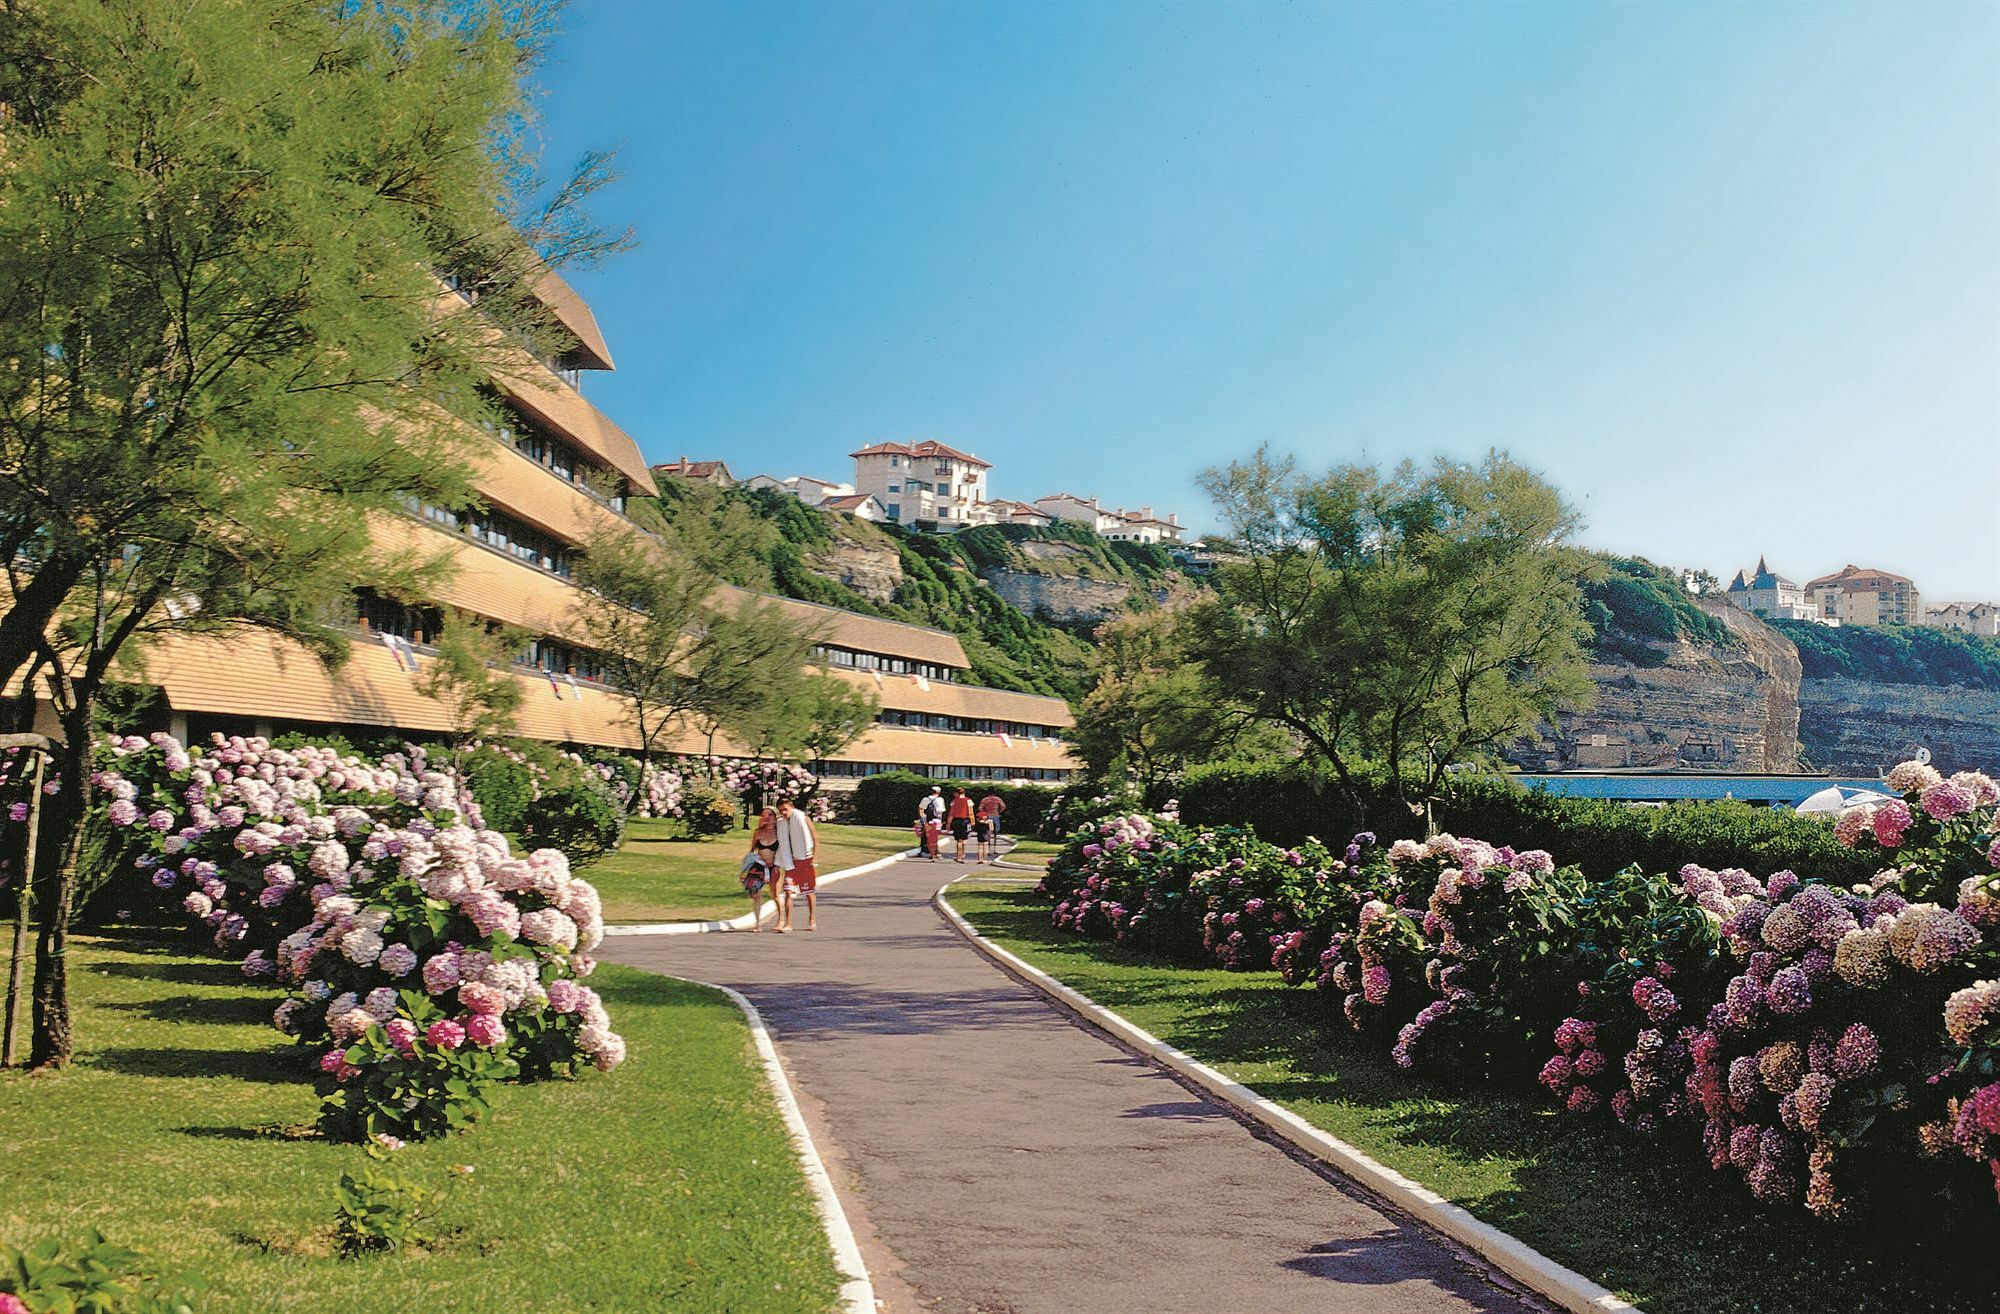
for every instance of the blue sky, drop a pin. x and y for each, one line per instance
(1728, 274)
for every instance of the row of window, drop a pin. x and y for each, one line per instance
(516, 538)
(854, 660)
(422, 625)
(969, 725)
(554, 454)
(856, 770)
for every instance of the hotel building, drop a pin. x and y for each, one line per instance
(556, 470)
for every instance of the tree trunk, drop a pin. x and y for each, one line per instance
(24, 626)
(55, 892)
(17, 963)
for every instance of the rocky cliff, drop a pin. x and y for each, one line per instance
(1860, 727)
(1669, 703)
(872, 567)
(1063, 599)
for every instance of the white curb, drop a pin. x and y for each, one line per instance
(1565, 1286)
(746, 920)
(857, 1291)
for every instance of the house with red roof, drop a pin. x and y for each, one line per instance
(926, 483)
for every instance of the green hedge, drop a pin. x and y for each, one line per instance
(891, 799)
(1287, 802)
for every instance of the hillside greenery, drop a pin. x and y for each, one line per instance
(1894, 654)
(1636, 601)
(941, 587)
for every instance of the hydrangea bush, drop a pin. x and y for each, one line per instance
(1820, 1043)
(424, 961)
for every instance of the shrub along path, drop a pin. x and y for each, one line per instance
(1008, 1158)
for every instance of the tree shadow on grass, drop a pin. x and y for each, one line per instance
(275, 1066)
(181, 971)
(230, 1010)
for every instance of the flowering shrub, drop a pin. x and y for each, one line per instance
(428, 958)
(762, 784)
(1821, 1042)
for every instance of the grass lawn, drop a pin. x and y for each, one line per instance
(1032, 852)
(1653, 1228)
(655, 878)
(182, 1130)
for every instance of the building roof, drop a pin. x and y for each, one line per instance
(687, 469)
(1765, 578)
(573, 313)
(1145, 518)
(848, 629)
(563, 408)
(1855, 577)
(1069, 497)
(948, 698)
(851, 502)
(927, 449)
(809, 479)
(1010, 508)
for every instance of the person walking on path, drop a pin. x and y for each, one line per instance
(760, 869)
(961, 823)
(988, 826)
(930, 816)
(796, 846)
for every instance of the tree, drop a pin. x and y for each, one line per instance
(1414, 620)
(825, 715)
(469, 678)
(226, 234)
(676, 642)
(747, 664)
(1154, 711)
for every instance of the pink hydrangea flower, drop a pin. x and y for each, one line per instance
(445, 1034)
(1890, 821)
(485, 1029)
(479, 997)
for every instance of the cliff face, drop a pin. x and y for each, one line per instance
(1861, 727)
(1694, 705)
(1060, 598)
(872, 569)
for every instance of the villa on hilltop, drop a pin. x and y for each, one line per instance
(1855, 595)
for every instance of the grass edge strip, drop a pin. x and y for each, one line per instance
(1568, 1288)
(857, 1289)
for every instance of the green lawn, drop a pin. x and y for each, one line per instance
(1032, 852)
(655, 878)
(1654, 1228)
(183, 1129)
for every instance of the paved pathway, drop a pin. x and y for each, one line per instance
(1011, 1161)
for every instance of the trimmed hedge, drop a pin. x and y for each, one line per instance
(891, 799)
(1287, 802)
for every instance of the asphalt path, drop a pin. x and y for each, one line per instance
(997, 1156)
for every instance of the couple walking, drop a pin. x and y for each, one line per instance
(781, 860)
(965, 821)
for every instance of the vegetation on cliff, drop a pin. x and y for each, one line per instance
(940, 581)
(1895, 654)
(1638, 604)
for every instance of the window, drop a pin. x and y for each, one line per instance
(895, 511)
(895, 488)
(895, 463)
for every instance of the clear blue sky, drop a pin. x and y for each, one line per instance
(1728, 274)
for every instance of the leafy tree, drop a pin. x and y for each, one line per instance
(1154, 711)
(747, 666)
(676, 642)
(825, 715)
(224, 342)
(470, 679)
(1416, 619)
